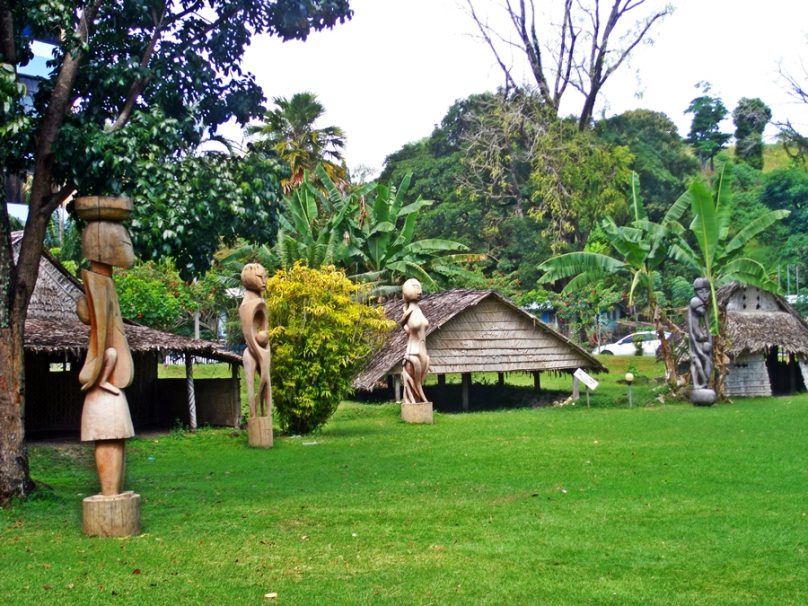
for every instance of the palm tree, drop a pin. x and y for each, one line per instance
(289, 131)
(641, 247)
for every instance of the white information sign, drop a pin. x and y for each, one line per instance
(585, 379)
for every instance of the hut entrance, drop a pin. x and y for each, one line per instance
(785, 375)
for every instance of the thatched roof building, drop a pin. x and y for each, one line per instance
(768, 342)
(55, 346)
(477, 331)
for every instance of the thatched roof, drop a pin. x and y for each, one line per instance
(71, 337)
(758, 329)
(440, 308)
(52, 326)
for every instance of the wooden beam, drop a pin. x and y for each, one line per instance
(501, 379)
(234, 377)
(397, 387)
(537, 381)
(189, 380)
(466, 390)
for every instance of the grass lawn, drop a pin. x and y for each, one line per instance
(658, 504)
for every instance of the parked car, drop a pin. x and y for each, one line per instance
(627, 346)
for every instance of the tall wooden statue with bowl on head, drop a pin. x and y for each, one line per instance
(108, 368)
(415, 407)
(254, 324)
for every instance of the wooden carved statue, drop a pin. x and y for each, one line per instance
(701, 343)
(253, 315)
(108, 368)
(416, 359)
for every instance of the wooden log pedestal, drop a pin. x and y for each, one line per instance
(416, 412)
(112, 516)
(259, 432)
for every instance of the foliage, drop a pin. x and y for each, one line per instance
(522, 159)
(787, 189)
(705, 130)
(579, 311)
(642, 247)
(320, 337)
(660, 158)
(750, 117)
(288, 130)
(384, 246)
(315, 223)
(722, 245)
(154, 294)
(187, 204)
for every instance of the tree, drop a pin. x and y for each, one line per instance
(661, 160)
(589, 42)
(524, 160)
(705, 135)
(642, 246)
(289, 131)
(112, 60)
(320, 337)
(750, 117)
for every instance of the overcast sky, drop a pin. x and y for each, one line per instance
(389, 75)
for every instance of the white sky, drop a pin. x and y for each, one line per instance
(389, 75)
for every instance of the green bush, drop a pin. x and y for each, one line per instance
(320, 336)
(154, 295)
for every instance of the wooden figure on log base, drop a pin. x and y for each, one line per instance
(254, 324)
(108, 368)
(701, 344)
(415, 407)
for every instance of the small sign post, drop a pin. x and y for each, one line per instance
(580, 375)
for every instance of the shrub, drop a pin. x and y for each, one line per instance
(154, 295)
(320, 336)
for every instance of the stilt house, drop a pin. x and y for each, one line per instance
(768, 342)
(476, 331)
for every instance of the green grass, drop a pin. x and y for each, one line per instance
(659, 504)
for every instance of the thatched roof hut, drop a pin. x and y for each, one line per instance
(56, 343)
(768, 342)
(477, 331)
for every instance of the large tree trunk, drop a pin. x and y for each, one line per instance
(14, 478)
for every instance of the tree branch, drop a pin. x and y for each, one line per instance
(140, 83)
(509, 81)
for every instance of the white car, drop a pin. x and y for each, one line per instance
(627, 346)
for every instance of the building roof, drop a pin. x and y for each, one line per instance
(53, 327)
(440, 309)
(759, 327)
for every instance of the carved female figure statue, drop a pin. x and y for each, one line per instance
(701, 340)
(108, 367)
(254, 323)
(416, 360)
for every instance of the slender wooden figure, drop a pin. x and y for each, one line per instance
(701, 343)
(254, 324)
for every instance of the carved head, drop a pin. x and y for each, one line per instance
(701, 286)
(411, 290)
(254, 277)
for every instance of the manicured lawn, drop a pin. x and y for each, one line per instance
(659, 504)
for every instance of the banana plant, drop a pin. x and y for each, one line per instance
(315, 223)
(641, 247)
(721, 253)
(384, 245)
